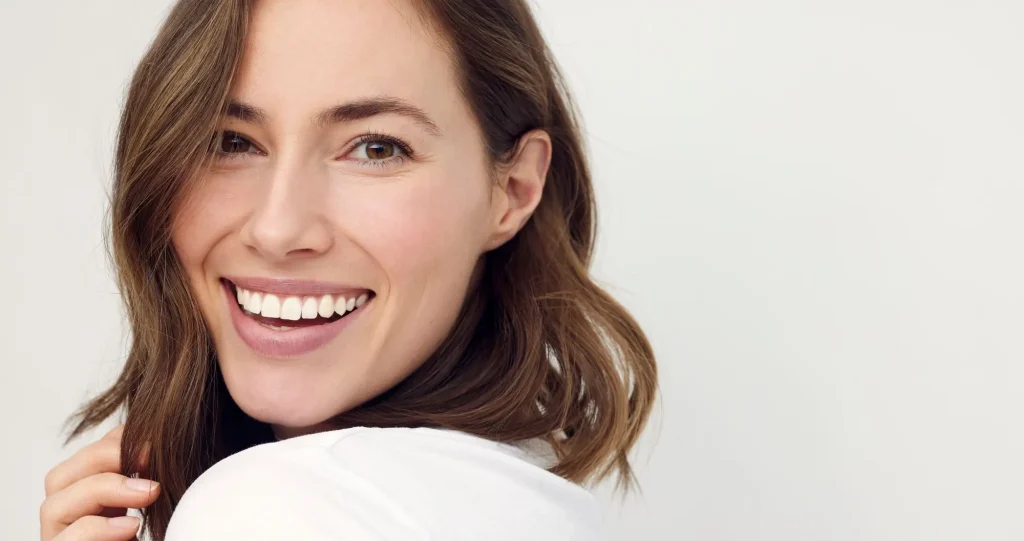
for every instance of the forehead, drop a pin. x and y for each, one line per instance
(304, 55)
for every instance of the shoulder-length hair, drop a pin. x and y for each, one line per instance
(539, 350)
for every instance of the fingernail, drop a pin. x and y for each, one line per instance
(142, 485)
(127, 523)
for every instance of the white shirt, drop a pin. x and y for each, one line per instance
(384, 484)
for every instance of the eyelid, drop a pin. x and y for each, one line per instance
(368, 137)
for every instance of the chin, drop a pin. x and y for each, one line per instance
(283, 415)
(286, 400)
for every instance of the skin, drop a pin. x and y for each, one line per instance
(297, 200)
(87, 497)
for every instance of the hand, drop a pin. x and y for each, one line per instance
(87, 498)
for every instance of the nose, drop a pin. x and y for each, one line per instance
(287, 220)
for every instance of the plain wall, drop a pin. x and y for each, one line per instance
(813, 207)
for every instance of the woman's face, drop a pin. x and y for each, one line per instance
(352, 179)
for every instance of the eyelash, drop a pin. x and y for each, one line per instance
(370, 137)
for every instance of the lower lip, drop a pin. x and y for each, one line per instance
(267, 342)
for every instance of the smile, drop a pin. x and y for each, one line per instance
(282, 318)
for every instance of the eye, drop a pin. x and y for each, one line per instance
(228, 143)
(379, 150)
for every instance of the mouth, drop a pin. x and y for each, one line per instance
(277, 320)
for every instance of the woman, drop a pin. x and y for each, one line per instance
(362, 228)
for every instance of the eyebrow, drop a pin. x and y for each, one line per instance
(346, 112)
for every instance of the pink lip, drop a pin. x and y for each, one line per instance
(287, 286)
(267, 342)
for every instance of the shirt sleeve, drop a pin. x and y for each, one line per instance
(383, 485)
(259, 496)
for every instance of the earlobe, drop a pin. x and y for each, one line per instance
(521, 185)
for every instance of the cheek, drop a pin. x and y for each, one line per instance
(417, 226)
(201, 222)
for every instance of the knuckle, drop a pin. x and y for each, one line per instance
(52, 481)
(105, 454)
(105, 448)
(47, 513)
(115, 433)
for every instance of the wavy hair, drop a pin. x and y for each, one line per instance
(538, 351)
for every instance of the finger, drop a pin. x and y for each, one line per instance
(91, 495)
(97, 457)
(100, 529)
(114, 433)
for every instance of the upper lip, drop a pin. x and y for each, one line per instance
(293, 286)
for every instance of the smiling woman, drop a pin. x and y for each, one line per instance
(353, 242)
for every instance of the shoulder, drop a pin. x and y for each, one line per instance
(383, 484)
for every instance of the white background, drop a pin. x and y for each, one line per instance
(813, 207)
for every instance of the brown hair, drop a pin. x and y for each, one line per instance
(538, 351)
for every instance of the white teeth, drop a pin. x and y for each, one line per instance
(255, 303)
(326, 308)
(271, 306)
(291, 309)
(339, 305)
(309, 308)
(295, 308)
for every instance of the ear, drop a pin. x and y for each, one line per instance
(519, 186)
